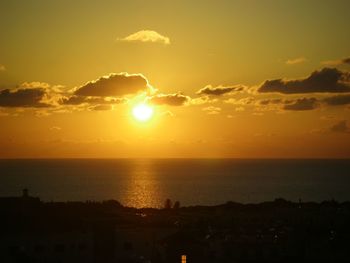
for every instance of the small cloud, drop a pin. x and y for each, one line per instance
(42, 113)
(302, 104)
(146, 36)
(296, 61)
(55, 128)
(211, 110)
(175, 99)
(2, 67)
(239, 109)
(35, 84)
(102, 107)
(270, 101)
(340, 127)
(219, 90)
(298, 104)
(242, 101)
(203, 100)
(167, 114)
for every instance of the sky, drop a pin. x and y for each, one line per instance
(223, 79)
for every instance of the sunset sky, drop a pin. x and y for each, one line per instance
(240, 79)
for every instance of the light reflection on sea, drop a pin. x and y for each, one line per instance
(142, 188)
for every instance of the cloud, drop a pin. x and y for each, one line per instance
(306, 103)
(55, 128)
(35, 84)
(329, 80)
(242, 101)
(212, 110)
(296, 61)
(240, 109)
(170, 99)
(220, 90)
(338, 100)
(103, 107)
(341, 127)
(270, 101)
(301, 104)
(31, 95)
(167, 114)
(203, 100)
(344, 61)
(147, 36)
(115, 85)
(42, 113)
(78, 100)
(26, 97)
(2, 67)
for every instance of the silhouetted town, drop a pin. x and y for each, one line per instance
(34, 231)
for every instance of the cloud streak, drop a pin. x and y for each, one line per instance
(220, 90)
(78, 100)
(296, 61)
(343, 61)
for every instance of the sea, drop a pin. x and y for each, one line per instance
(149, 182)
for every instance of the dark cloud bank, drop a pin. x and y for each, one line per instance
(26, 97)
(327, 80)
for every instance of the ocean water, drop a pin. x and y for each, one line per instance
(148, 182)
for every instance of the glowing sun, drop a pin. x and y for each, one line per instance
(142, 112)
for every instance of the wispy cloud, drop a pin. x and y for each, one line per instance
(146, 36)
(2, 67)
(296, 61)
(211, 110)
(343, 61)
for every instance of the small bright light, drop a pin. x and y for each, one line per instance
(142, 112)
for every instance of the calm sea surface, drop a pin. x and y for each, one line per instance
(148, 182)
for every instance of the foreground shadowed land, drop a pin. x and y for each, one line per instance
(278, 231)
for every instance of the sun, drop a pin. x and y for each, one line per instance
(142, 112)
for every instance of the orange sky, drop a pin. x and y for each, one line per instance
(240, 79)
